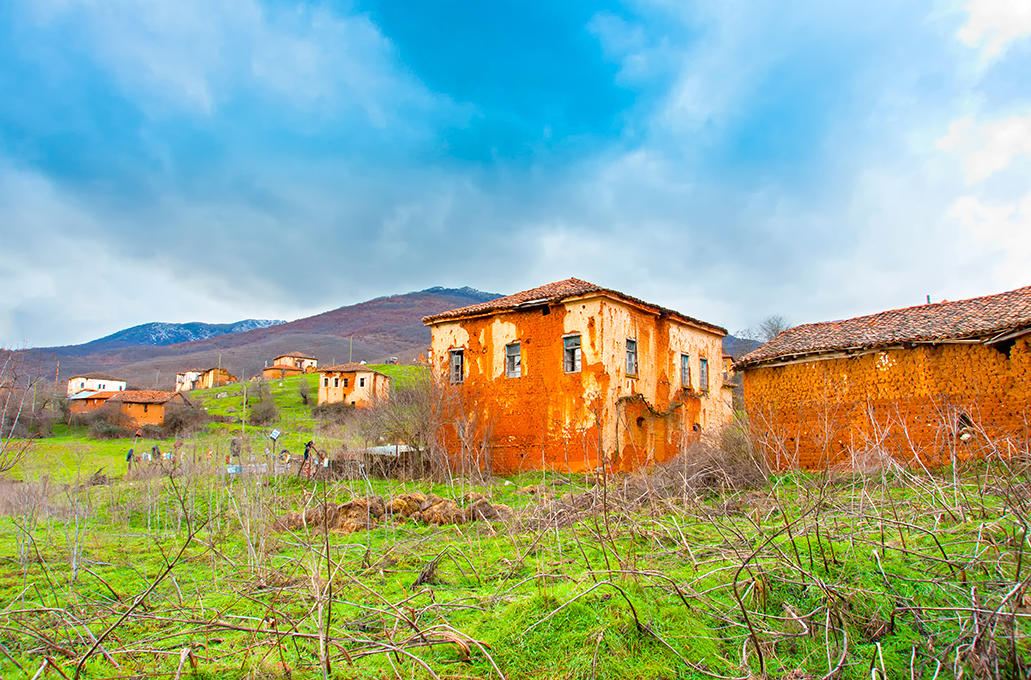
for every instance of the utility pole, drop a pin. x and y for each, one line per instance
(350, 354)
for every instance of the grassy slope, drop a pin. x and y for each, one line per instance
(652, 591)
(71, 455)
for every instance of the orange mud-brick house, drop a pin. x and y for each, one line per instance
(288, 365)
(88, 401)
(146, 407)
(94, 382)
(215, 377)
(354, 384)
(573, 376)
(925, 385)
(305, 362)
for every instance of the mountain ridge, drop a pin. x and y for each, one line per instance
(161, 333)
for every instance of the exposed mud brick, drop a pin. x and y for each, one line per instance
(922, 405)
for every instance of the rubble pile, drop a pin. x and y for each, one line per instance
(364, 513)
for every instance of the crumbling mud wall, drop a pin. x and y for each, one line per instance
(548, 418)
(926, 405)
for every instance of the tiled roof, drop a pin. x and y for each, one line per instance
(296, 355)
(978, 318)
(556, 292)
(96, 376)
(352, 367)
(283, 367)
(146, 396)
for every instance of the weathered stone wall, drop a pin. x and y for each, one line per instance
(548, 418)
(923, 404)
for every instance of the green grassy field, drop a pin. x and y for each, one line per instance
(651, 575)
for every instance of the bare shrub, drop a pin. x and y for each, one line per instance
(339, 413)
(102, 428)
(265, 411)
(183, 419)
(304, 392)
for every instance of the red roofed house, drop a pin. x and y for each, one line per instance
(923, 384)
(88, 401)
(571, 374)
(293, 363)
(354, 384)
(146, 407)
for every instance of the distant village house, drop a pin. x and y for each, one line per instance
(354, 384)
(146, 407)
(291, 364)
(186, 381)
(95, 382)
(573, 376)
(925, 385)
(215, 377)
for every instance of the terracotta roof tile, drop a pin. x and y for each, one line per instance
(295, 355)
(352, 367)
(146, 397)
(977, 318)
(556, 292)
(96, 376)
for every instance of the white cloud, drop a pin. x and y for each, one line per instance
(994, 24)
(64, 282)
(1002, 229)
(193, 55)
(989, 147)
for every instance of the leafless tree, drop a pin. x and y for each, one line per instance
(12, 410)
(766, 330)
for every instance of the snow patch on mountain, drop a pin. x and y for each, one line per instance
(160, 334)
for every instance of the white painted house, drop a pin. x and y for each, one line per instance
(96, 382)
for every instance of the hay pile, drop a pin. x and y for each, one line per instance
(364, 513)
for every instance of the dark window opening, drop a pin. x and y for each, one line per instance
(361, 382)
(631, 357)
(513, 361)
(1005, 347)
(457, 366)
(325, 382)
(347, 381)
(640, 421)
(571, 354)
(336, 382)
(545, 310)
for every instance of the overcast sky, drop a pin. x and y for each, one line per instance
(212, 160)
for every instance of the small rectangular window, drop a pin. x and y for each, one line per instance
(631, 357)
(513, 361)
(336, 382)
(571, 353)
(347, 381)
(325, 382)
(685, 371)
(361, 382)
(703, 374)
(457, 366)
